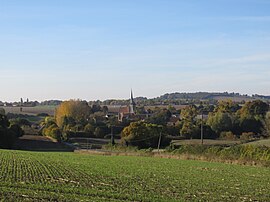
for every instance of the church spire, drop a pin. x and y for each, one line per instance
(132, 103)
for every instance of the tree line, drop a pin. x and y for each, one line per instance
(226, 120)
(9, 131)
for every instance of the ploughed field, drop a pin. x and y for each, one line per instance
(64, 176)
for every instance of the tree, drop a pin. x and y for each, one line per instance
(250, 124)
(252, 115)
(220, 122)
(8, 133)
(17, 130)
(227, 106)
(4, 122)
(160, 116)
(50, 129)
(96, 108)
(105, 109)
(75, 109)
(142, 135)
(256, 109)
(189, 128)
(266, 125)
(2, 111)
(189, 113)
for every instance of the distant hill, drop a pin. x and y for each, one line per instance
(166, 99)
(212, 96)
(186, 98)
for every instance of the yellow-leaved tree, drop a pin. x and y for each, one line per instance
(76, 109)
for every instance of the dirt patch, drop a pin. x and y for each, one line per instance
(39, 143)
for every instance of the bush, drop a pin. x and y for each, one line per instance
(7, 138)
(52, 130)
(227, 135)
(66, 135)
(99, 133)
(20, 122)
(17, 130)
(55, 133)
(239, 152)
(247, 136)
(191, 149)
(43, 114)
(89, 128)
(71, 134)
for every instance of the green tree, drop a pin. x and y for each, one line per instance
(4, 122)
(2, 111)
(189, 130)
(227, 106)
(252, 116)
(160, 116)
(189, 113)
(266, 125)
(17, 130)
(254, 109)
(51, 129)
(220, 122)
(8, 133)
(190, 127)
(143, 135)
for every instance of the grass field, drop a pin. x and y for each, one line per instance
(48, 109)
(206, 142)
(265, 142)
(56, 176)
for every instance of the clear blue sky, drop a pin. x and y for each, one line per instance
(62, 49)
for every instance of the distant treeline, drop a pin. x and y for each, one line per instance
(31, 103)
(186, 98)
(166, 99)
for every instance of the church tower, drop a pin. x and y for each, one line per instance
(132, 104)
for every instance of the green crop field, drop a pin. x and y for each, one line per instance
(56, 176)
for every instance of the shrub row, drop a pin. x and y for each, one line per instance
(239, 152)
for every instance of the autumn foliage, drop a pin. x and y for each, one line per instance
(76, 109)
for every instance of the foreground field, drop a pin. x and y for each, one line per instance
(37, 176)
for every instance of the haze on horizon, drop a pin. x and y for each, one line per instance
(101, 49)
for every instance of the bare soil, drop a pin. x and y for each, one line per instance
(39, 143)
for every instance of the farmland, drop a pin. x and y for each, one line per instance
(263, 142)
(35, 176)
(48, 109)
(206, 142)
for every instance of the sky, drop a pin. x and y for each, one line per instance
(100, 49)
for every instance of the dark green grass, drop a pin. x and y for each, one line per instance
(37, 176)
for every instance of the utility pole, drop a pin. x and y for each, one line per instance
(112, 137)
(159, 140)
(202, 129)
